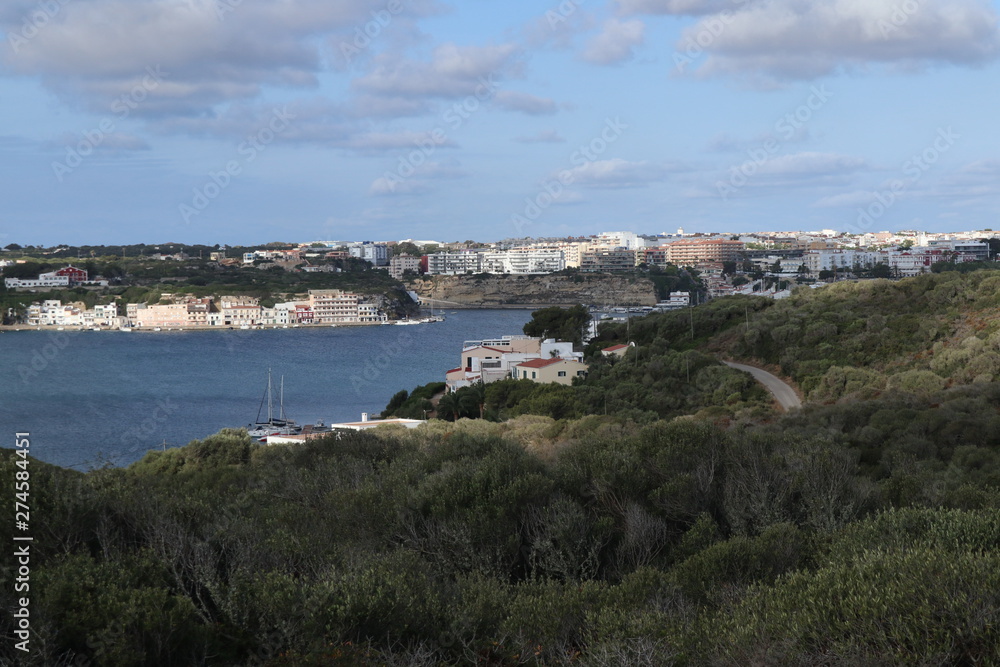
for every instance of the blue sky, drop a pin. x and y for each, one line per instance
(246, 121)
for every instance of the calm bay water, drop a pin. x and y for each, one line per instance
(89, 397)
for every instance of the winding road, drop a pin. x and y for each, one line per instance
(780, 389)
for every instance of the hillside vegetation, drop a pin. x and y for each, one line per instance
(593, 542)
(690, 525)
(917, 335)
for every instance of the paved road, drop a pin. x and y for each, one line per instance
(781, 390)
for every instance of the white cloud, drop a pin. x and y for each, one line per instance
(420, 182)
(525, 103)
(618, 173)
(113, 142)
(675, 7)
(542, 137)
(452, 72)
(846, 199)
(213, 51)
(811, 165)
(615, 43)
(794, 39)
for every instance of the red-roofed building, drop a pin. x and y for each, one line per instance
(616, 350)
(74, 274)
(555, 369)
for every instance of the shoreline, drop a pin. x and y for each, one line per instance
(267, 327)
(261, 327)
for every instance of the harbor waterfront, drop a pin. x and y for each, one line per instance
(90, 398)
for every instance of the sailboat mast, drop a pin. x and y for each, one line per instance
(281, 399)
(270, 406)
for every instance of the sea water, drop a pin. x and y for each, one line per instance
(89, 398)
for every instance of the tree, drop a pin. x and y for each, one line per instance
(728, 268)
(406, 248)
(12, 246)
(559, 323)
(26, 270)
(881, 270)
(993, 243)
(448, 407)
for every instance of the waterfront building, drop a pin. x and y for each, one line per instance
(338, 307)
(488, 361)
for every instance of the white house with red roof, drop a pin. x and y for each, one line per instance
(556, 369)
(492, 360)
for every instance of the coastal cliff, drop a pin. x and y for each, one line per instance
(506, 291)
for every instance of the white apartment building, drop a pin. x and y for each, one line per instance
(839, 260)
(44, 280)
(376, 254)
(455, 263)
(523, 261)
(627, 240)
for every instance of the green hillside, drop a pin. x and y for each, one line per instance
(687, 526)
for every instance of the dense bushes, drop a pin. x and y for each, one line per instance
(534, 541)
(856, 339)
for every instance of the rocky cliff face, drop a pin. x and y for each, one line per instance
(515, 291)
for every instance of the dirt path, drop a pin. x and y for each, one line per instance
(781, 390)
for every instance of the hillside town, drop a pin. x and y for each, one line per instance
(904, 253)
(761, 263)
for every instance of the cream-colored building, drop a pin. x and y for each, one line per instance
(689, 252)
(337, 307)
(556, 369)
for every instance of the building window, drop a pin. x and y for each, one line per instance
(533, 375)
(562, 374)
